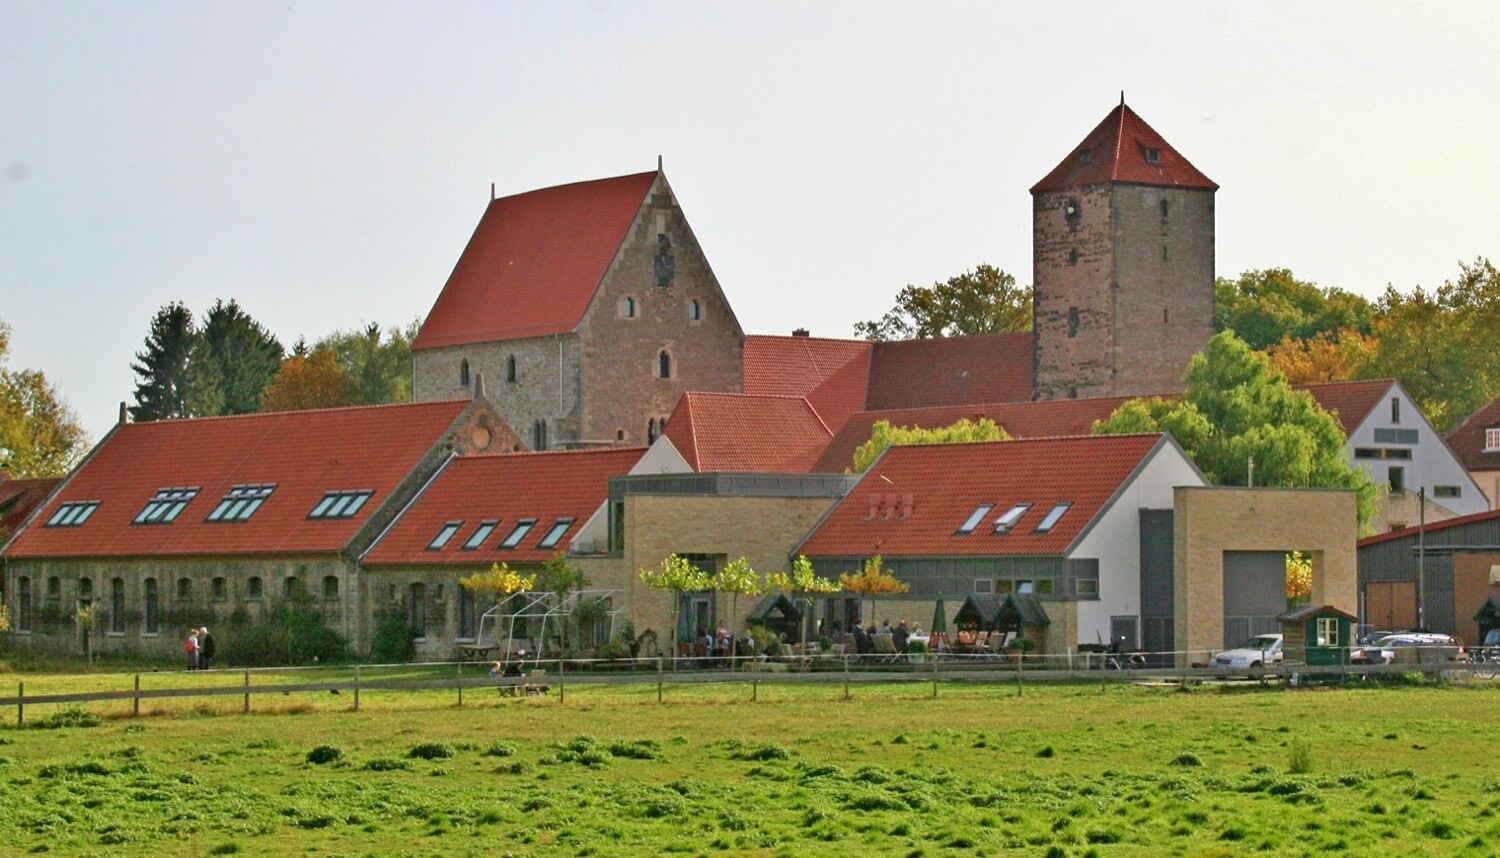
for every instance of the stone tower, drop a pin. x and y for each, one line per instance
(1123, 265)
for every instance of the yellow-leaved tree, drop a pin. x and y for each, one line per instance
(883, 435)
(871, 581)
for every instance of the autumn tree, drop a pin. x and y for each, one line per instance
(1265, 307)
(39, 434)
(308, 382)
(1235, 407)
(802, 579)
(377, 360)
(1323, 358)
(872, 581)
(883, 435)
(677, 575)
(985, 300)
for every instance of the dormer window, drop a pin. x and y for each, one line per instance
(341, 504)
(480, 535)
(1492, 440)
(72, 514)
(1153, 156)
(555, 533)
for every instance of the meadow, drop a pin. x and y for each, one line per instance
(1082, 769)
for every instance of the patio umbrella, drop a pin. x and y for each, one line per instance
(940, 619)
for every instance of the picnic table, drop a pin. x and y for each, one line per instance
(476, 652)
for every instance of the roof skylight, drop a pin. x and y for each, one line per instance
(444, 534)
(340, 504)
(974, 518)
(1006, 522)
(165, 505)
(522, 528)
(241, 502)
(72, 514)
(555, 532)
(1053, 516)
(480, 535)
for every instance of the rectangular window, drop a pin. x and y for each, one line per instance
(72, 514)
(1447, 491)
(1003, 586)
(975, 517)
(1380, 453)
(241, 502)
(1386, 435)
(1395, 409)
(1012, 516)
(444, 534)
(1328, 631)
(1086, 587)
(1072, 321)
(480, 535)
(514, 538)
(555, 533)
(165, 505)
(1492, 439)
(1053, 516)
(340, 504)
(1397, 478)
(984, 585)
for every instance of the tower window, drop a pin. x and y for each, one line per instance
(539, 435)
(1164, 316)
(1165, 206)
(1163, 253)
(510, 369)
(663, 364)
(463, 373)
(1073, 256)
(1072, 321)
(627, 307)
(1071, 210)
(1085, 156)
(695, 310)
(1153, 156)
(651, 430)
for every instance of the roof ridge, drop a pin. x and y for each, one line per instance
(573, 452)
(547, 188)
(295, 411)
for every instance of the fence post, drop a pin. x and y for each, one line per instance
(932, 657)
(356, 688)
(658, 678)
(21, 704)
(135, 706)
(846, 676)
(754, 690)
(458, 679)
(1020, 657)
(562, 682)
(247, 689)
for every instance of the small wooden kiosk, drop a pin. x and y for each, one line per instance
(1316, 635)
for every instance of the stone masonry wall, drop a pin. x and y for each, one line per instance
(546, 385)
(1072, 263)
(621, 387)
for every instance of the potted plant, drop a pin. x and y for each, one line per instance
(825, 647)
(1020, 646)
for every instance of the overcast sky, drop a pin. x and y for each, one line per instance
(325, 163)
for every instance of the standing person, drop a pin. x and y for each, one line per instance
(205, 648)
(190, 649)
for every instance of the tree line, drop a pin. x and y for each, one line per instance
(231, 364)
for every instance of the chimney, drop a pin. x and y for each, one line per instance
(801, 332)
(478, 385)
(124, 414)
(874, 507)
(907, 502)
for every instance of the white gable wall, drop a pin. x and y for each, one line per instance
(660, 458)
(1115, 541)
(1432, 463)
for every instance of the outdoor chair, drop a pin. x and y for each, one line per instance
(885, 648)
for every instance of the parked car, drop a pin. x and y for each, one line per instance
(1369, 638)
(1255, 652)
(1383, 651)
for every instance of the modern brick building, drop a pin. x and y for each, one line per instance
(588, 308)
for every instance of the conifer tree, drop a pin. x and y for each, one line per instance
(162, 385)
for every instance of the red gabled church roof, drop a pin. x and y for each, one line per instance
(834, 375)
(304, 454)
(738, 432)
(534, 263)
(546, 488)
(944, 484)
(1116, 151)
(951, 371)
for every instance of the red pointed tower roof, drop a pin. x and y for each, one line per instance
(1124, 149)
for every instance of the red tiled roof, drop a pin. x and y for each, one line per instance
(504, 488)
(304, 453)
(951, 371)
(833, 374)
(1430, 528)
(741, 432)
(946, 483)
(534, 263)
(18, 498)
(1019, 419)
(1117, 153)
(1350, 402)
(1467, 440)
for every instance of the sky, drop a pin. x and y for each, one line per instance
(325, 163)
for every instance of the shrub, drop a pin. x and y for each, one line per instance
(291, 633)
(431, 751)
(1187, 760)
(68, 716)
(392, 639)
(387, 765)
(324, 754)
(763, 753)
(500, 749)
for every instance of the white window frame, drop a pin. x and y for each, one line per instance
(1492, 439)
(1327, 631)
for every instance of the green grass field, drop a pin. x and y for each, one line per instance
(1061, 770)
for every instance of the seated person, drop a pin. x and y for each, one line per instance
(899, 636)
(862, 645)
